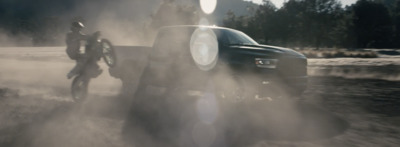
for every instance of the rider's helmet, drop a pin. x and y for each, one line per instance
(77, 26)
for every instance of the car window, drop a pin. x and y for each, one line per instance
(221, 37)
(238, 38)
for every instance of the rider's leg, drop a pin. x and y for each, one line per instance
(93, 68)
(78, 67)
(97, 69)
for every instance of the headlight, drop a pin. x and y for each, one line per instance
(266, 63)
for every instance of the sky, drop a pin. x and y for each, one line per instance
(279, 3)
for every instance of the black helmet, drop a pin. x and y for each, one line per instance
(77, 24)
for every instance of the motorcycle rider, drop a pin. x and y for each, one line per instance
(73, 41)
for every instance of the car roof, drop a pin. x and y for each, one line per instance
(195, 27)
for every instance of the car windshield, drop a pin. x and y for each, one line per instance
(237, 38)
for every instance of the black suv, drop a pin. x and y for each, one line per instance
(192, 75)
(197, 58)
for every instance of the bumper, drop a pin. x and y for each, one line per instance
(295, 84)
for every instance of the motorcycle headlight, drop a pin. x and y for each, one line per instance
(266, 63)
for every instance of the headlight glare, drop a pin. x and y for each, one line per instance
(266, 63)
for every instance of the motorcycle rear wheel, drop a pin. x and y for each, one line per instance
(108, 53)
(79, 88)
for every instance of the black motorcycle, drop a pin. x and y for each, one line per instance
(95, 49)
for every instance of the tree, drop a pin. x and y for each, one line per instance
(343, 34)
(316, 20)
(229, 20)
(396, 19)
(372, 24)
(247, 24)
(264, 22)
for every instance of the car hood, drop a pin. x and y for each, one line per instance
(268, 49)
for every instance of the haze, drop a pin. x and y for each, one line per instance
(279, 3)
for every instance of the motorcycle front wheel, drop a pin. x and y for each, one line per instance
(79, 88)
(108, 53)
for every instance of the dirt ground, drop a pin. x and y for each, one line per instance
(36, 110)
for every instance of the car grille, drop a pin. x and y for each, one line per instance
(292, 66)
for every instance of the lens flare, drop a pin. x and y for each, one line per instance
(204, 48)
(207, 108)
(208, 6)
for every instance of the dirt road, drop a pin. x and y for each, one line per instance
(36, 110)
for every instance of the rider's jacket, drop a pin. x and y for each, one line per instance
(73, 41)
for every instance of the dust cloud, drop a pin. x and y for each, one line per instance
(111, 118)
(124, 22)
(185, 108)
(176, 115)
(39, 76)
(353, 68)
(137, 22)
(14, 40)
(37, 109)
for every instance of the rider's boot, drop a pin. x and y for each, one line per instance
(78, 67)
(73, 72)
(70, 75)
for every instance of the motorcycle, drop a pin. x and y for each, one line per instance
(95, 49)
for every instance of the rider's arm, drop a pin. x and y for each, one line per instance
(74, 37)
(83, 36)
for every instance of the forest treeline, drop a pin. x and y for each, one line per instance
(323, 24)
(298, 23)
